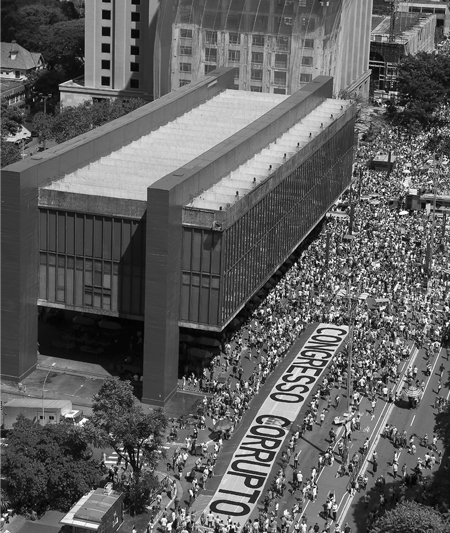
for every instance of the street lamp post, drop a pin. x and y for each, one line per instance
(44, 97)
(43, 387)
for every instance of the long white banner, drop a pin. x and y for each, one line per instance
(252, 462)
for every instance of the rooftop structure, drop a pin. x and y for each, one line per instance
(277, 47)
(440, 8)
(17, 60)
(413, 33)
(100, 509)
(258, 168)
(407, 26)
(125, 221)
(129, 171)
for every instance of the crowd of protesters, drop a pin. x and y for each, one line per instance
(369, 267)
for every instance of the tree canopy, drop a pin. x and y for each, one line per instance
(11, 120)
(73, 121)
(442, 426)
(119, 422)
(47, 466)
(423, 87)
(53, 28)
(410, 517)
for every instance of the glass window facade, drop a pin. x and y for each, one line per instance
(92, 261)
(200, 285)
(256, 244)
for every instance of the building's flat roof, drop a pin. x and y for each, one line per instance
(89, 511)
(128, 172)
(38, 402)
(260, 166)
(404, 23)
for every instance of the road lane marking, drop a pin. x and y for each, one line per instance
(384, 416)
(412, 421)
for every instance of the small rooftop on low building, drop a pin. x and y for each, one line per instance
(128, 172)
(89, 511)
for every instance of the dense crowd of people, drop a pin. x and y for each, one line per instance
(376, 276)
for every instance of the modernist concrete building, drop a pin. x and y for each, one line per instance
(276, 46)
(119, 41)
(440, 8)
(413, 33)
(174, 215)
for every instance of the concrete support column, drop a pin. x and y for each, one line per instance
(162, 295)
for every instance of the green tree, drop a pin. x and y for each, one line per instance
(12, 119)
(119, 422)
(138, 492)
(410, 517)
(10, 153)
(47, 466)
(72, 121)
(43, 124)
(423, 86)
(442, 426)
(63, 47)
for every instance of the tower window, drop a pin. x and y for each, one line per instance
(186, 50)
(106, 80)
(134, 84)
(211, 37)
(106, 31)
(305, 78)
(210, 54)
(106, 48)
(308, 43)
(185, 67)
(134, 50)
(307, 61)
(134, 67)
(136, 2)
(256, 74)
(234, 55)
(258, 40)
(257, 57)
(106, 64)
(106, 14)
(135, 16)
(185, 33)
(235, 38)
(135, 34)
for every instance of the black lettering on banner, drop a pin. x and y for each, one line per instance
(284, 387)
(252, 498)
(328, 340)
(256, 430)
(262, 419)
(313, 354)
(262, 441)
(259, 455)
(314, 363)
(259, 481)
(245, 509)
(340, 331)
(286, 397)
(235, 467)
(295, 379)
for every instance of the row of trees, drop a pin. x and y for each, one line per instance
(50, 466)
(53, 28)
(66, 124)
(72, 121)
(423, 85)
